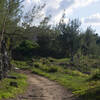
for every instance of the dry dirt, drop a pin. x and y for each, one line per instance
(41, 88)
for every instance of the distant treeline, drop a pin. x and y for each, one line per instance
(63, 40)
(28, 40)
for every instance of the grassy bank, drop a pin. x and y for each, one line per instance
(60, 70)
(7, 91)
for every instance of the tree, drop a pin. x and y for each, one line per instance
(88, 42)
(44, 23)
(10, 14)
(30, 16)
(69, 37)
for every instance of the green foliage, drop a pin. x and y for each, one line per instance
(10, 13)
(82, 84)
(91, 94)
(75, 73)
(7, 91)
(95, 76)
(28, 45)
(25, 49)
(88, 42)
(64, 40)
(47, 68)
(75, 80)
(69, 37)
(20, 64)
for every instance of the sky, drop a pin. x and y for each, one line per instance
(87, 11)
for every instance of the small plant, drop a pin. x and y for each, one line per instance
(74, 72)
(51, 59)
(46, 68)
(96, 76)
(36, 65)
(20, 64)
(52, 69)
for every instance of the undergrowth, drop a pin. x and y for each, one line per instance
(79, 82)
(7, 91)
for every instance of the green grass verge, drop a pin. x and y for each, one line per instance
(80, 87)
(76, 81)
(7, 91)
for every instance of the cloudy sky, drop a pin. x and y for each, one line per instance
(88, 11)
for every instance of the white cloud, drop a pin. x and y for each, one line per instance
(69, 6)
(92, 20)
(53, 3)
(82, 3)
(30, 1)
(49, 3)
(57, 18)
(73, 4)
(56, 7)
(78, 4)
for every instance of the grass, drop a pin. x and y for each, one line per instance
(20, 64)
(73, 82)
(81, 84)
(91, 94)
(7, 91)
(78, 84)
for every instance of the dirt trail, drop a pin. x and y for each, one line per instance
(41, 88)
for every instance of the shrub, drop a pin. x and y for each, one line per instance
(20, 64)
(25, 49)
(46, 68)
(44, 61)
(52, 69)
(37, 65)
(74, 72)
(96, 76)
(51, 59)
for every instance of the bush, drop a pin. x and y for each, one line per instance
(52, 69)
(74, 72)
(46, 68)
(96, 76)
(20, 64)
(37, 65)
(44, 61)
(25, 49)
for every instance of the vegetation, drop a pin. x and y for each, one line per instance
(26, 47)
(7, 91)
(80, 83)
(63, 52)
(62, 41)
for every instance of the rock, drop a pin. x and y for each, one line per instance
(16, 68)
(14, 84)
(12, 77)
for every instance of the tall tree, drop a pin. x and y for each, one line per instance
(9, 18)
(88, 42)
(30, 16)
(69, 37)
(10, 13)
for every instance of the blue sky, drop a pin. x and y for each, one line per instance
(88, 11)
